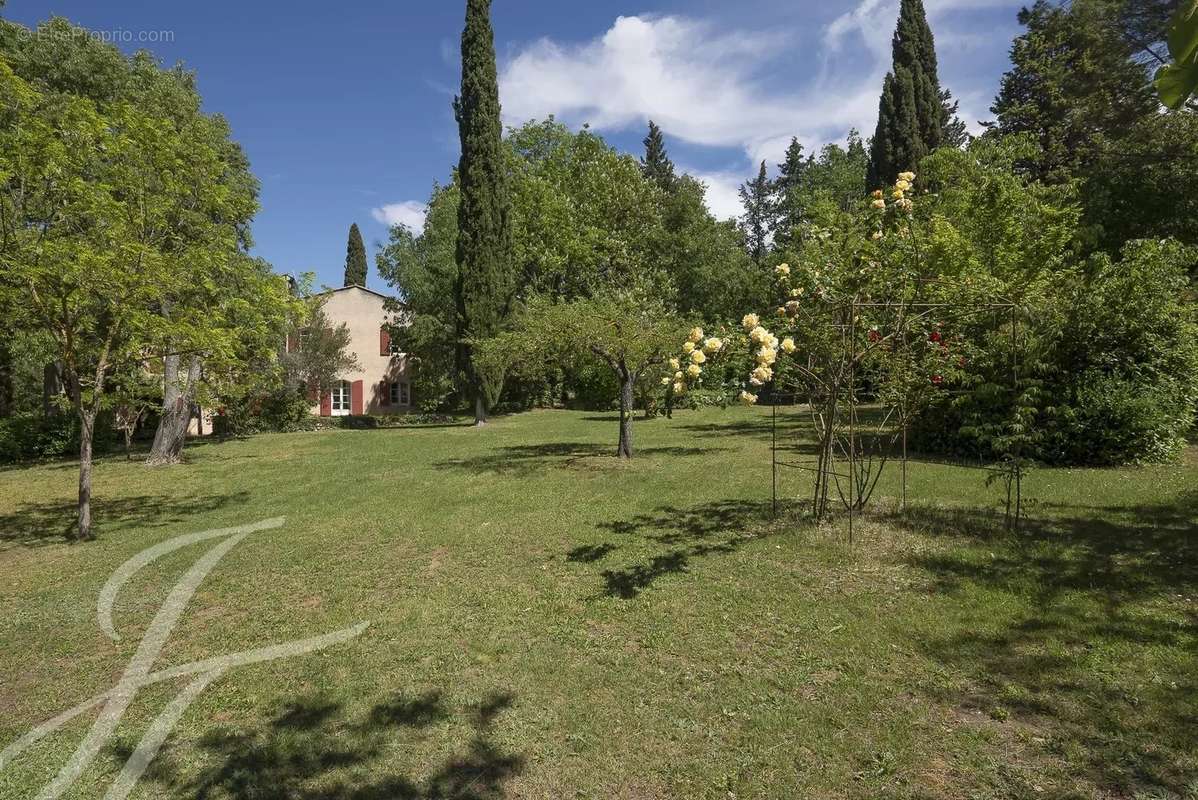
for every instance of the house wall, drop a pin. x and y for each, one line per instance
(362, 312)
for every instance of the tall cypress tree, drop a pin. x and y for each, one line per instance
(756, 195)
(914, 115)
(483, 289)
(355, 258)
(656, 165)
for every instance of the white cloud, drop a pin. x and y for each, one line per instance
(707, 86)
(723, 193)
(410, 213)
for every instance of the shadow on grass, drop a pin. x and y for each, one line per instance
(678, 536)
(525, 459)
(1094, 635)
(34, 524)
(312, 748)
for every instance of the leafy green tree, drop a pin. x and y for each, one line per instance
(84, 197)
(1073, 85)
(629, 332)
(656, 164)
(355, 258)
(484, 287)
(915, 115)
(757, 223)
(421, 266)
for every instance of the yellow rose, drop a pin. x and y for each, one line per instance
(679, 388)
(694, 370)
(697, 357)
(688, 347)
(675, 364)
(781, 311)
(666, 381)
(876, 194)
(766, 356)
(782, 269)
(879, 203)
(678, 375)
(796, 292)
(748, 398)
(759, 334)
(713, 345)
(898, 194)
(696, 335)
(907, 176)
(877, 235)
(788, 345)
(750, 321)
(761, 375)
(902, 185)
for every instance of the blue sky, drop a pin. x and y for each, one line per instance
(344, 108)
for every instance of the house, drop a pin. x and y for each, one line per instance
(380, 385)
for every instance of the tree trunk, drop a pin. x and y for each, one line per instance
(626, 386)
(6, 395)
(176, 413)
(480, 409)
(87, 427)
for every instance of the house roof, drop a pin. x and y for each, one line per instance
(364, 289)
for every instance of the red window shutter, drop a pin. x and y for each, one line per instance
(355, 398)
(326, 404)
(384, 394)
(384, 342)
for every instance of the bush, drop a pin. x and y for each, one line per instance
(29, 436)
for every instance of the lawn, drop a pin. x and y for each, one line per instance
(547, 622)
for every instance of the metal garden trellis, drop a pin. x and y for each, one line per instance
(849, 330)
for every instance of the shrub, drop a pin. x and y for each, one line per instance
(31, 435)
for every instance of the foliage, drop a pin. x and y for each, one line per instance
(656, 164)
(1178, 82)
(26, 436)
(628, 332)
(355, 258)
(321, 354)
(1073, 85)
(914, 113)
(484, 286)
(757, 222)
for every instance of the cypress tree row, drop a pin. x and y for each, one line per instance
(355, 258)
(483, 289)
(656, 164)
(914, 115)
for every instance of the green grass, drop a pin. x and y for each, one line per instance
(547, 622)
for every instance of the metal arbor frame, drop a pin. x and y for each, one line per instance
(849, 332)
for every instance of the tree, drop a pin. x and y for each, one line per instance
(83, 197)
(484, 287)
(355, 258)
(915, 116)
(320, 355)
(1073, 85)
(656, 164)
(787, 203)
(756, 196)
(627, 331)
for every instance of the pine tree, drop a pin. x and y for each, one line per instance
(483, 289)
(787, 201)
(656, 165)
(355, 258)
(914, 115)
(756, 195)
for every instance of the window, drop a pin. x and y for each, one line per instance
(400, 394)
(340, 399)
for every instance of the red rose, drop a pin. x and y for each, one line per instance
(935, 337)
(937, 380)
